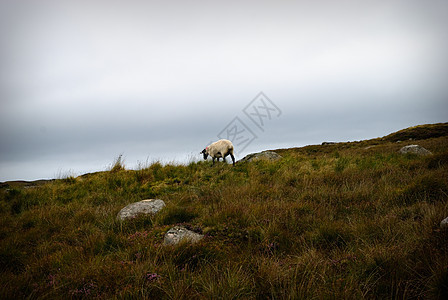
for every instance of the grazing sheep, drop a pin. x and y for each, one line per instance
(219, 149)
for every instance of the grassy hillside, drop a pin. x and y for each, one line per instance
(347, 220)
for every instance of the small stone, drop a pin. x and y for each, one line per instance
(444, 223)
(144, 207)
(369, 147)
(179, 234)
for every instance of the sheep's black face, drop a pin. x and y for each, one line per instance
(204, 153)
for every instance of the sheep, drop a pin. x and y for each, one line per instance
(219, 149)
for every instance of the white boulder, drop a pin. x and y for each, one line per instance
(415, 149)
(144, 207)
(179, 234)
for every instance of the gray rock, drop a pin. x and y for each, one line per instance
(444, 223)
(415, 149)
(144, 207)
(265, 155)
(179, 234)
(369, 147)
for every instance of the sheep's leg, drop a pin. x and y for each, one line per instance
(233, 158)
(213, 161)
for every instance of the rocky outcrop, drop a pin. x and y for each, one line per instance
(144, 207)
(415, 149)
(265, 155)
(179, 234)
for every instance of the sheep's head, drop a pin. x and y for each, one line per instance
(204, 153)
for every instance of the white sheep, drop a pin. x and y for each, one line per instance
(219, 149)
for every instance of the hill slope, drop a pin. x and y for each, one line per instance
(347, 220)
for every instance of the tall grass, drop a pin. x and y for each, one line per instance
(333, 221)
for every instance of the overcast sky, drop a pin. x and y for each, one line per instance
(82, 82)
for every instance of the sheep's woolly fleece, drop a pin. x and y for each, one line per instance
(220, 148)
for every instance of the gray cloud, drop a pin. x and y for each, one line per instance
(83, 81)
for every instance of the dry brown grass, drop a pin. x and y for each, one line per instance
(332, 221)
